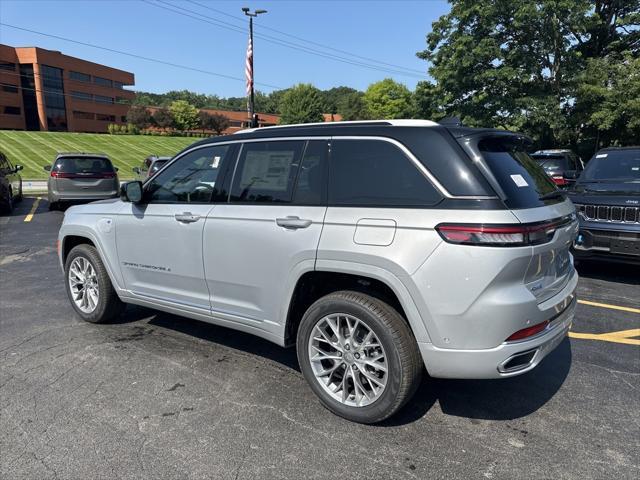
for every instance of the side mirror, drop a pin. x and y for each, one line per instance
(18, 168)
(136, 170)
(47, 168)
(131, 192)
(116, 168)
(570, 174)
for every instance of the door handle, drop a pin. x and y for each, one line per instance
(186, 217)
(293, 223)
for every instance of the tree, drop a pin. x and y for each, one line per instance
(388, 99)
(213, 121)
(163, 118)
(352, 107)
(185, 115)
(518, 64)
(301, 104)
(139, 116)
(427, 100)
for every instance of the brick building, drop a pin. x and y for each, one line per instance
(46, 90)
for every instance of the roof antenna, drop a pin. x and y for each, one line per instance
(451, 122)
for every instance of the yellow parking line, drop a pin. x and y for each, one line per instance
(606, 305)
(623, 336)
(34, 207)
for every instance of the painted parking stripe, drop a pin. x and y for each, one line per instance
(607, 305)
(624, 336)
(34, 207)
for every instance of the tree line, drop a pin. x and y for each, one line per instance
(564, 72)
(179, 116)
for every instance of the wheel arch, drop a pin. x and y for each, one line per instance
(337, 276)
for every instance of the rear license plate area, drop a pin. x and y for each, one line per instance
(624, 247)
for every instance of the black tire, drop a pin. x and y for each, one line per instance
(53, 206)
(20, 194)
(7, 203)
(404, 362)
(109, 305)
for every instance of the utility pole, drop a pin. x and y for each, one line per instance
(248, 70)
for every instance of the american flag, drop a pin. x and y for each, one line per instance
(248, 71)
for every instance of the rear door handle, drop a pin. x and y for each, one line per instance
(293, 223)
(186, 217)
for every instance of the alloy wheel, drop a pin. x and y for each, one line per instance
(83, 283)
(348, 360)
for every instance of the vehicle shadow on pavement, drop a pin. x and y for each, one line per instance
(610, 272)
(499, 399)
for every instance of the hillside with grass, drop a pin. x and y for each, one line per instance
(34, 150)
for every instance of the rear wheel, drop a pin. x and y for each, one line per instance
(7, 202)
(359, 356)
(88, 286)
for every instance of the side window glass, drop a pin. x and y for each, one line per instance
(190, 179)
(266, 172)
(376, 173)
(312, 178)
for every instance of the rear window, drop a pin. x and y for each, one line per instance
(613, 166)
(551, 162)
(521, 178)
(83, 165)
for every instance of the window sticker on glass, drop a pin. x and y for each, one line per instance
(519, 180)
(216, 161)
(601, 155)
(267, 170)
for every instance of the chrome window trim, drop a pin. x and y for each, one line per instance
(424, 170)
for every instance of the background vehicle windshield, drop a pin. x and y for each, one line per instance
(83, 165)
(520, 176)
(551, 162)
(614, 165)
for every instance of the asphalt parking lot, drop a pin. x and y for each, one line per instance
(159, 396)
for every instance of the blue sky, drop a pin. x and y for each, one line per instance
(389, 31)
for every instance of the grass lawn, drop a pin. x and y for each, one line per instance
(34, 150)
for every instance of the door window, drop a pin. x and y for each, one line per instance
(266, 172)
(376, 173)
(192, 178)
(311, 186)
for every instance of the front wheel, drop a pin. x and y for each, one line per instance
(359, 356)
(88, 286)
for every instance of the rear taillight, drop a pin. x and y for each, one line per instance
(558, 180)
(99, 175)
(500, 235)
(528, 332)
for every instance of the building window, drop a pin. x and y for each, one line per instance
(122, 101)
(12, 110)
(103, 99)
(105, 118)
(9, 88)
(105, 82)
(83, 115)
(54, 98)
(119, 85)
(123, 118)
(28, 84)
(81, 77)
(7, 66)
(82, 96)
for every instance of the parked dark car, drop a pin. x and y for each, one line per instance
(563, 166)
(81, 176)
(149, 167)
(10, 184)
(607, 199)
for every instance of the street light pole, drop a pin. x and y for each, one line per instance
(249, 66)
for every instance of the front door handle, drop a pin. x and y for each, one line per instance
(293, 223)
(186, 217)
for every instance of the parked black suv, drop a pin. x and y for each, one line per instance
(10, 184)
(607, 198)
(563, 166)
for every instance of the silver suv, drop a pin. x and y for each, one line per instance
(376, 248)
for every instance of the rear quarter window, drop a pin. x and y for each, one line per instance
(376, 173)
(521, 178)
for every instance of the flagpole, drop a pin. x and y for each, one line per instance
(253, 120)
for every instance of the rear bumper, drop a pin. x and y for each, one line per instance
(65, 197)
(506, 360)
